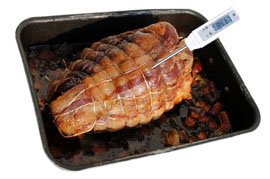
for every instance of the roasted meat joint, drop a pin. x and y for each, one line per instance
(115, 84)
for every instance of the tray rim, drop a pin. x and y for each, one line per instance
(98, 15)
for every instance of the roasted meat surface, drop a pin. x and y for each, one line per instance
(119, 87)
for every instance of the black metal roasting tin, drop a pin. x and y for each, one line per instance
(241, 108)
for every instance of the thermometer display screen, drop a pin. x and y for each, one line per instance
(222, 22)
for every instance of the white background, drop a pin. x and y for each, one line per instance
(244, 156)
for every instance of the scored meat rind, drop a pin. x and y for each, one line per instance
(121, 88)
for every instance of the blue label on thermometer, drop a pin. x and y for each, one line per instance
(222, 22)
(211, 29)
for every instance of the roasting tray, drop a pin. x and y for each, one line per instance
(243, 112)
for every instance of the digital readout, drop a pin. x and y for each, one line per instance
(222, 22)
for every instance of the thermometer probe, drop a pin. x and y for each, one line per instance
(206, 33)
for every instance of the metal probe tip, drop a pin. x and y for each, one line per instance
(169, 56)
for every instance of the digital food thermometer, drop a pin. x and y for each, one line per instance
(206, 33)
